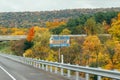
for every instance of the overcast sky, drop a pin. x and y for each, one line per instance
(43, 5)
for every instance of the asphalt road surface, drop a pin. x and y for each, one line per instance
(12, 70)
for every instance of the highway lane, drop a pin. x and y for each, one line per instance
(4, 76)
(22, 71)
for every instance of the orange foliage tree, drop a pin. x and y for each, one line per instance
(30, 34)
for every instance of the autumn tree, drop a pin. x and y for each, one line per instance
(73, 53)
(41, 47)
(65, 32)
(41, 44)
(110, 46)
(91, 47)
(105, 27)
(91, 27)
(29, 53)
(79, 30)
(41, 29)
(3, 30)
(28, 43)
(54, 24)
(115, 28)
(117, 56)
(17, 47)
(30, 34)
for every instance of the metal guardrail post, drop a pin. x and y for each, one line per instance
(87, 75)
(62, 71)
(77, 75)
(39, 66)
(46, 67)
(99, 77)
(30, 62)
(115, 79)
(26, 61)
(56, 70)
(50, 68)
(43, 66)
(62, 61)
(34, 63)
(23, 60)
(68, 73)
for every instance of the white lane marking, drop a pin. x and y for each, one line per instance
(7, 73)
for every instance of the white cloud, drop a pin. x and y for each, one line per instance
(42, 5)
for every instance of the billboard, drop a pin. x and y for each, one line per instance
(59, 41)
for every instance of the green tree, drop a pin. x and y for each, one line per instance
(58, 30)
(90, 26)
(79, 30)
(28, 44)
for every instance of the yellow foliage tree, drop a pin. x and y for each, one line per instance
(28, 53)
(54, 24)
(91, 46)
(18, 33)
(115, 28)
(113, 52)
(51, 56)
(117, 53)
(42, 29)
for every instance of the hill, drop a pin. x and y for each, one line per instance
(27, 19)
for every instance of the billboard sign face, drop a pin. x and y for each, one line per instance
(59, 41)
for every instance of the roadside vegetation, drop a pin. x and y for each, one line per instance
(95, 50)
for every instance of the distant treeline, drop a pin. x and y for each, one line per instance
(28, 19)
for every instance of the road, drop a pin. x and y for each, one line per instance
(12, 70)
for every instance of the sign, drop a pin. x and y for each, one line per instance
(59, 41)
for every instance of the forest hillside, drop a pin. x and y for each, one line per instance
(39, 18)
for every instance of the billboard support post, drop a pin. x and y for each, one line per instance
(59, 55)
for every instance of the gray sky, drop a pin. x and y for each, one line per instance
(43, 5)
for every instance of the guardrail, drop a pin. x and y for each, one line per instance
(12, 37)
(48, 66)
